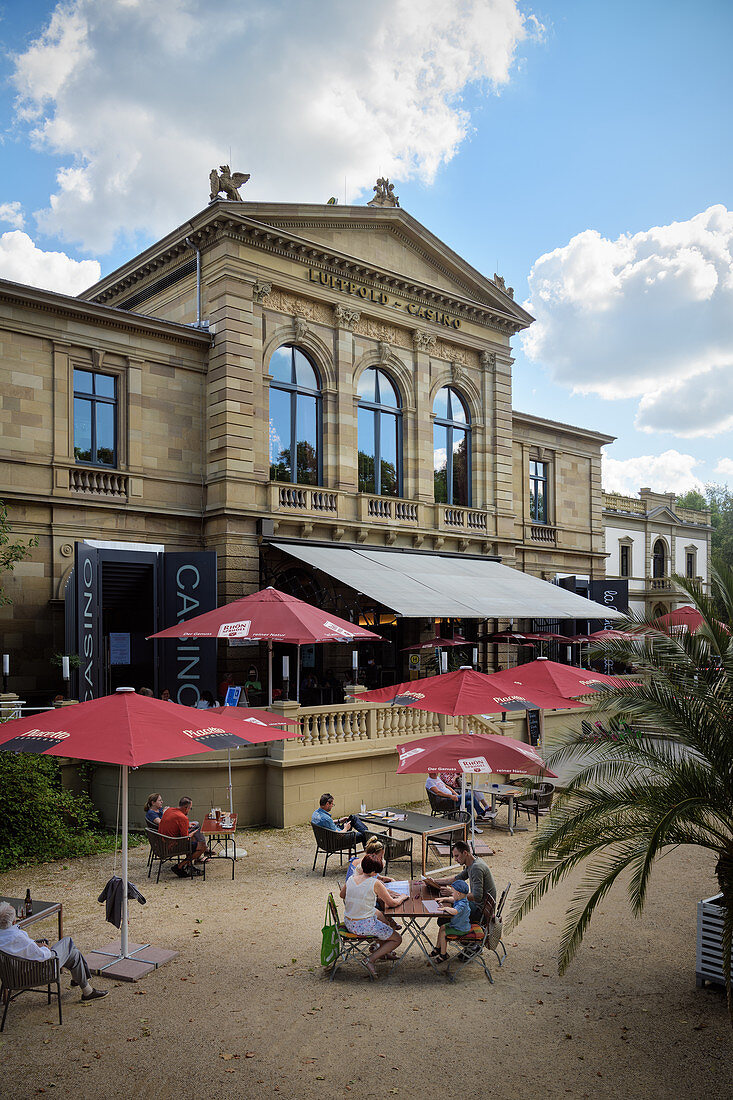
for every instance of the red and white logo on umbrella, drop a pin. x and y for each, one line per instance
(235, 630)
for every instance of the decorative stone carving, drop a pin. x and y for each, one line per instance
(300, 327)
(260, 291)
(381, 330)
(385, 352)
(66, 550)
(384, 194)
(293, 304)
(500, 282)
(346, 317)
(97, 358)
(417, 541)
(227, 182)
(487, 360)
(423, 341)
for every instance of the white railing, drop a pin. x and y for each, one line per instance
(351, 722)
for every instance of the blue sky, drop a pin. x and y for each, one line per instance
(582, 150)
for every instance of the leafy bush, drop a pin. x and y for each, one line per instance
(39, 820)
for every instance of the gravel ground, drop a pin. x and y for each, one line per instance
(245, 1010)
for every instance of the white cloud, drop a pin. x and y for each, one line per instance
(724, 469)
(146, 98)
(648, 316)
(12, 214)
(670, 472)
(22, 262)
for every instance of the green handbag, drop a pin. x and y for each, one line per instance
(329, 944)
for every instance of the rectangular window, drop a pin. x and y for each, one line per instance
(690, 564)
(538, 491)
(625, 561)
(95, 418)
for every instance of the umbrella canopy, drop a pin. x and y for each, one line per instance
(610, 635)
(269, 615)
(543, 675)
(463, 692)
(470, 752)
(507, 637)
(123, 728)
(435, 643)
(260, 725)
(685, 616)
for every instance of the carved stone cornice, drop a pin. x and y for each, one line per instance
(260, 290)
(345, 317)
(423, 341)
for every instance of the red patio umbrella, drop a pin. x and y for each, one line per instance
(566, 681)
(269, 616)
(683, 617)
(454, 752)
(435, 643)
(125, 729)
(259, 717)
(463, 692)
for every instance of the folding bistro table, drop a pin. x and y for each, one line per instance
(218, 835)
(422, 825)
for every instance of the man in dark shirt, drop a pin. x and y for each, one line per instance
(476, 872)
(322, 816)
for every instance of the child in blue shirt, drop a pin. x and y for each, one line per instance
(457, 907)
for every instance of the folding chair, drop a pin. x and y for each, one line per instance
(348, 943)
(28, 976)
(484, 936)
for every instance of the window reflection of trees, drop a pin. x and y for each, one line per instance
(379, 435)
(451, 448)
(295, 418)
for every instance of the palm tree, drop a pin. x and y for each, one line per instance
(657, 773)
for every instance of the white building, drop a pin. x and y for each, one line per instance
(647, 540)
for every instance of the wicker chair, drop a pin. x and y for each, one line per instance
(25, 976)
(538, 802)
(168, 849)
(332, 840)
(395, 849)
(441, 804)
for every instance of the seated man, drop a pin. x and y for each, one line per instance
(17, 942)
(322, 817)
(435, 783)
(448, 786)
(475, 871)
(175, 822)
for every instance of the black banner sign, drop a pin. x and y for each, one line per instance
(188, 665)
(534, 729)
(613, 593)
(88, 621)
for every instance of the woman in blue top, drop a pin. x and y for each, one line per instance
(154, 810)
(459, 910)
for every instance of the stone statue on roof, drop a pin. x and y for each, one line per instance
(384, 194)
(226, 181)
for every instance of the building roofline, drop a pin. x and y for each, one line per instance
(573, 429)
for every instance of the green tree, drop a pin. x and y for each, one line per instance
(11, 551)
(719, 499)
(660, 773)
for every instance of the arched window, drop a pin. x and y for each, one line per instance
(658, 559)
(451, 448)
(295, 418)
(380, 435)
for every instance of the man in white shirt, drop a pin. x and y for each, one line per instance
(435, 783)
(15, 941)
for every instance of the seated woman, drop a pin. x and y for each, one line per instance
(360, 894)
(153, 810)
(374, 847)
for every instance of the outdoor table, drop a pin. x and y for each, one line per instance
(41, 911)
(415, 917)
(510, 792)
(217, 835)
(422, 825)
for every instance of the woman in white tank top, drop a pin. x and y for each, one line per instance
(360, 894)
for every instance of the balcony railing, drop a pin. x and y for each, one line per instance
(542, 532)
(660, 584)
(388, 508)
(450, 517)
(103, 483)
(303, 498)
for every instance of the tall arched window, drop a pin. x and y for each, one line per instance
(451, 448)
(295, 418)
(380, 435)
(658, 559)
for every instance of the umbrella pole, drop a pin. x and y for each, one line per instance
(473, 819)
(269, 672)
(229, 762)
(297, 676)
(123, 933)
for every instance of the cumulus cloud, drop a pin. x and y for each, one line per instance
(144, 99)
(648, 315)
(22, 262)
(12, 214)
(670, 472)
(724, 469)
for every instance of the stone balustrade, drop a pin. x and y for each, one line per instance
(104, 483)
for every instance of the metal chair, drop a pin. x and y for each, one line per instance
(26, 976)
(332, 840)
(395, 849)
(538, 802)
(484, 936)
(349, 943)
(167, 849)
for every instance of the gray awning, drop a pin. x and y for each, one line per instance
(419, 585)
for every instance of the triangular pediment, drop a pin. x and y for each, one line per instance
(664, 515)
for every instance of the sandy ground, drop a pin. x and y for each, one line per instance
(245, 1010)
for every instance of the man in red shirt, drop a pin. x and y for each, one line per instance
(175, 822)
